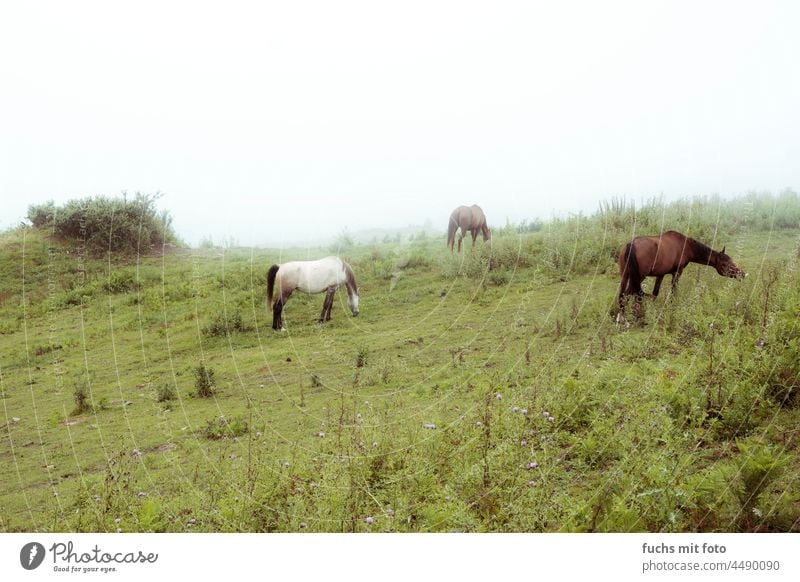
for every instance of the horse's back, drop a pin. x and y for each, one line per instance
(659, 254)
(313, 276)
(478, 217)
(462, 216)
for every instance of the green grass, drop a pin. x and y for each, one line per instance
(672, 425)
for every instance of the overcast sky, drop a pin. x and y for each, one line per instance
(278, 122)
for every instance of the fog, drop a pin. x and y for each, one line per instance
(284, 122)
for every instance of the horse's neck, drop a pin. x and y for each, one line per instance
(349, 280)
(700, 253)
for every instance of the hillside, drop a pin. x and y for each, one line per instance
(490, 391)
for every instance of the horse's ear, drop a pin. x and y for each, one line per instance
(723, 250)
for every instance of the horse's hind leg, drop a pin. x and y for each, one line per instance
(623, 285)
(460, 238)
(474, 237)
(277, 309)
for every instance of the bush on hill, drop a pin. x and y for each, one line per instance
(120, 225)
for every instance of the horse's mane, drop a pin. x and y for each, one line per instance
(351, 277)
(701, 252)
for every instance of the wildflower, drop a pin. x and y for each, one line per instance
(286, 464)
(533, 465)
(136, 453)
(479, 423)
(515, 409)
(303, 525)
(375, 443)
(321, 434)
(546, 414)
(141, 494)
(369, 520)
(524, 411)
(523, 443)
(550, 419)
(258, 434)
(390, 512)
(119, 530)
(429, 425)
(531, 483)
(498, 396)
(117, 520)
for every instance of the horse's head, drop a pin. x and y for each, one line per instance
(726, 267)
(352, 289)
(353, 301)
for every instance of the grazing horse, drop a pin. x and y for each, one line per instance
(469, 219)
(669, 253)
(326, 275)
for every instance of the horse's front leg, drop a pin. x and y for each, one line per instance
(460, 238)
(675, 276)
(474, 237)
(324, 307)
(328, 306)
(657, 286)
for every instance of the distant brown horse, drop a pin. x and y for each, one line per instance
(469, 219)
(669, 253)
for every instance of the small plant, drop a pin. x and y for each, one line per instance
(119, 282)
(81, 401)
(221, 428)
(165, 392)
(499, 278)
(224, 324)
(361, 357)
(204, 381)
(760, 466)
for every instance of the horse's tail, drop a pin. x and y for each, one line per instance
(271, 274)
(631, 266)
(452, 227)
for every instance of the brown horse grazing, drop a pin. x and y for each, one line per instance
(469, 219)
(669, 253)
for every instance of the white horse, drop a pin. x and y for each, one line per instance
(326, 275)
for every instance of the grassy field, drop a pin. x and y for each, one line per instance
(490, 391)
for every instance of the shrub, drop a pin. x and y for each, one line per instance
(204, 381)
(103, 224)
